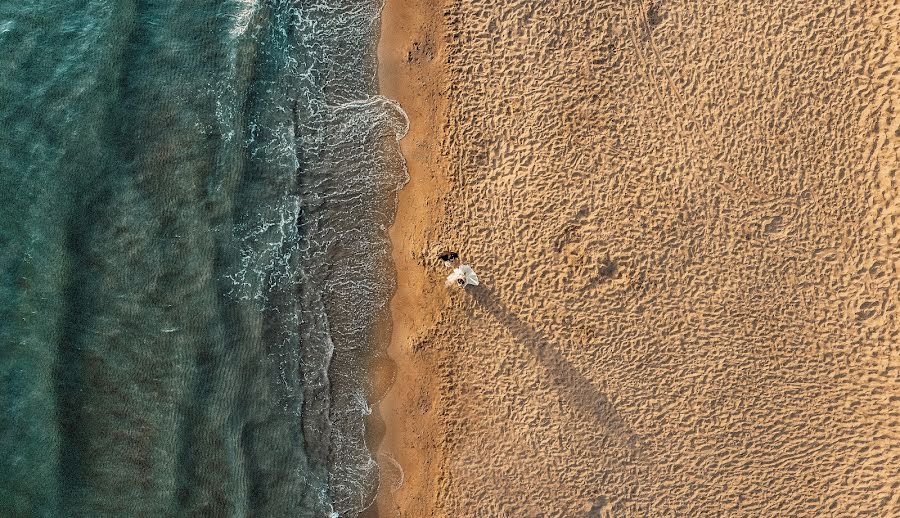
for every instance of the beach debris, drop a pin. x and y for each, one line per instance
(461, 276)
(449, 258)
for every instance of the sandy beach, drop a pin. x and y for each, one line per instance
(684, 217)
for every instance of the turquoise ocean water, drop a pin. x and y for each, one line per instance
(194, 198)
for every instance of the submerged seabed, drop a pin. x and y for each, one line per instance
(194, 198)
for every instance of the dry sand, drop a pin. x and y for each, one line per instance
(684, 215)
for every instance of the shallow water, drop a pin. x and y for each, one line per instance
(193, 207)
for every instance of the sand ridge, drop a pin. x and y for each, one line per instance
(685, 220)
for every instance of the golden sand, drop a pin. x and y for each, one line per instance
(684, 216)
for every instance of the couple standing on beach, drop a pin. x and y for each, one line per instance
(462, 275)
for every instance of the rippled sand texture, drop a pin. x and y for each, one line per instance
(684, 216)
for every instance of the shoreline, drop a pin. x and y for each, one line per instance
(410, 73)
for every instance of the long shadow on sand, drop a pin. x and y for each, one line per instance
(570, 382)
